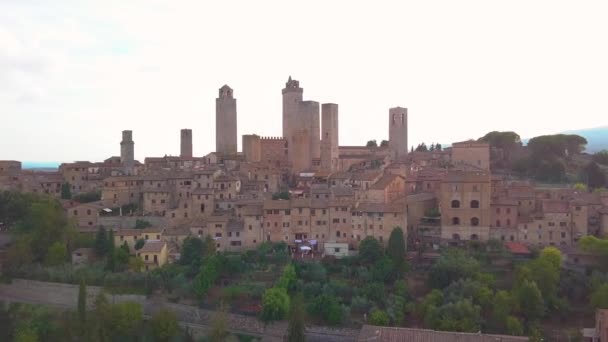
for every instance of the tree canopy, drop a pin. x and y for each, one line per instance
(501, 139)
(558, 145)
(396, 249)
(452, 266)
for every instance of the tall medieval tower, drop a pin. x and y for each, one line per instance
(397, 133)
(301, 127)
(292, 97)
(225, 122)
(329, 138)
(185, 143)
(127, 152)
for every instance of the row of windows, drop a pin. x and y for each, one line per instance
(474, 204)
(474, 221)
(76, 212)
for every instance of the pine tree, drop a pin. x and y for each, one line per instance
(296, 328)
(66, 191)
(101, 242)
(111, 262)
(396, 249)
(82, 302)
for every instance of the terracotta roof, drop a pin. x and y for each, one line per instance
(176, 232)
(300, 203)
(380, 208)
(517, 248)
(319, 203)
(467, 176)
(383, 182)
(389, 334)
(340, 191)
(253, 210)
(340, 175)
(152, 246)
(277, 204)
(556, 207)
(234, 226)
(470, 143)
(163, 189)
(365, 176)
(136, 232)
(425, 196)
(501, 201)
(203, 191)
(224, 178)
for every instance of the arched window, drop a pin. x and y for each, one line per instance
(455, 237)
(474, 221)
(474, 237)
(455, 221)
(455, 204)
(474, 204)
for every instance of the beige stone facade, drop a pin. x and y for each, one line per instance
(465, 205)
(472, 153)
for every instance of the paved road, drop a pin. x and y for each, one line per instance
(65, 296)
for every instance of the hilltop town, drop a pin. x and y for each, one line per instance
(318, 198)
(333, 194)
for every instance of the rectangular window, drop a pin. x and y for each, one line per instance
(336, 220)
(218, 234)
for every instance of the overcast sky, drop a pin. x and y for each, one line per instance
(73, 74)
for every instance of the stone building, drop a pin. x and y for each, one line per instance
(225, 122)
(85, 215)
(465, 205)
(471, 153)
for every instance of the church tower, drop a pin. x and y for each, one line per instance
(225, 122)
(397, 133)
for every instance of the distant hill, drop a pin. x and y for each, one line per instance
(597, 138)
(40, 166)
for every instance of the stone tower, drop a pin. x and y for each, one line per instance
(252, 148)
(300, 119)
(225, 122)
(397, 133)
(292, 96)
(186, 143)
(127, 152)
(329, 138)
